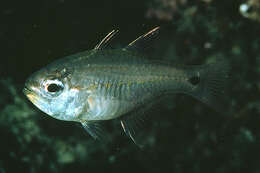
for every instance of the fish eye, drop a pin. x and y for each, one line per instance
(53, 87)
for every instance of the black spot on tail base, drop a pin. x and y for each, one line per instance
(195, 80)
(210, 81)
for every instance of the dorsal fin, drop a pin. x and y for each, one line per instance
(142, 42)
(103, 43)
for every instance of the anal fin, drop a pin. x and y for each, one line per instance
(134, 122)
(130, 130)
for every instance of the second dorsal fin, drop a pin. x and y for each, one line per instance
(103, 43)
(142, 42)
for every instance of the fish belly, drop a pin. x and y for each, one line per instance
(101, 108)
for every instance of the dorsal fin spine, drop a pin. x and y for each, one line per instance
(142, 41)
(103, 43)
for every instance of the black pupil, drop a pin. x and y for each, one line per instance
(194, 80)
(54, 88)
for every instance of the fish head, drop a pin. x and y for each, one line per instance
(50, 90)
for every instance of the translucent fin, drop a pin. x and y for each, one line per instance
(210, 81)
(130, 129)
(106, 40)
(142, 42)
(134, 122)
(95, 129)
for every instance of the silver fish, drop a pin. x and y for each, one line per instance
(104, 84)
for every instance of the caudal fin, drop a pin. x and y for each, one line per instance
(211, 80)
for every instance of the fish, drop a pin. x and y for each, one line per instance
(103, 84)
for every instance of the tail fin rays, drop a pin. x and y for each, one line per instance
(211, 87)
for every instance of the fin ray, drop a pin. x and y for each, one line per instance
(103, 43)
(130, 131)
(95, 129)
(134, 121)
(211, 88)
(141, 43)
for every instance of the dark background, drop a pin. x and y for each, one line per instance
(181, 135)
(28, 29)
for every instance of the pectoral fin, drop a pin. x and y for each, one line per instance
(95, 129)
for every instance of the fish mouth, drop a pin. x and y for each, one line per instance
(30, 94)
(27, 90)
